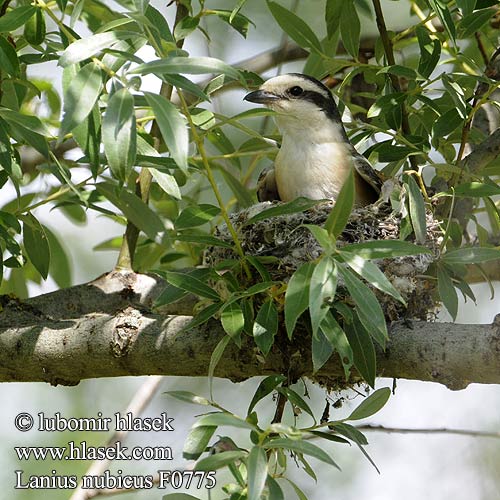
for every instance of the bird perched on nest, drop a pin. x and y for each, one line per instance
(316, 155)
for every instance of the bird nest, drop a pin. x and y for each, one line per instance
(284, 244)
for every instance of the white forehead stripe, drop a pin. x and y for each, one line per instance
(280, 84)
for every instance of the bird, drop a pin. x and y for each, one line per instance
(316, 155)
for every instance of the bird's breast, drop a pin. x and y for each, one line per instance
(311, 170)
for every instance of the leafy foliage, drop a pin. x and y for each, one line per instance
(166, 163)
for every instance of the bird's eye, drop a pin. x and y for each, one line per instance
(296, 91)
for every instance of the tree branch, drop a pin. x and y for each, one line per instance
(106, 329)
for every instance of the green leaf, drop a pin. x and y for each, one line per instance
(322, 349)
(223, 419)
(466, 6)
(36, 244)
(474, 22)
(471, 255)
(85, 48)
(371, 273)
(430, 52)
(295, 27)
(241, 193)
(447, 292)
(203, 239)
(256, 472)
(476, 190)
(275, 491)
(172, 126)
(398, 70)
(447, 123)
(216, 355)
(322, 290)
(187, 65)
(232, 319)
(371, 405)
(197, 441)
(291, 207)
(369, 310)
(363, 351)
(80, 97)
(265, 326)
(296, 400)
(239, 22)
(350, 28)
(16, 18)
(417, 210)
(300, 446)
(35, 28)
(385, 104)
(167, 182)
(119, 134)
(297, 295)
(322, 236)
(219, 460)
(185, 27)
(341, 211)
(134, 209)
(333, 11)
(60, 267)
(338, 340)
(188, 397)
(265, 387)
(441, 9)
(182, 82)
(8, 58)
(191, 284)
(383, 249)
(196, 215)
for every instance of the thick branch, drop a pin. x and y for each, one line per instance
(106, 329)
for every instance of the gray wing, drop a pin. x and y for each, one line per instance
(267, 190)
(367, 172)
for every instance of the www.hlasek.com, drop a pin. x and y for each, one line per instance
(162, 479)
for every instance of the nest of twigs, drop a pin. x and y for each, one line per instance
(287, 244)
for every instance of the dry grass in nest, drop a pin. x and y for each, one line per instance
(288, 244)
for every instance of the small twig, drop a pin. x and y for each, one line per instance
(389, 54)
(437, 430)
(139, 402)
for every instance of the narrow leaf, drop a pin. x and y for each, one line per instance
(417, 210)
(447, 292)
(337, 220)
(383, 249)
(322, 291)
(291, 207)
(119, 134)
(371, 405)
(363, 350)
(371, 273)
(36, 244)
(266, 326)
(256, 472)
(172, 126)
(219, 460)
(191, 284)
(295, 27)
(265, 387)
(297, 295)
(471, 255)
(303, 447)
(80, 97)
(369, 310)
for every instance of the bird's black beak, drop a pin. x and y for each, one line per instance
(261, 97)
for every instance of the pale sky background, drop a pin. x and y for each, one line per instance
(435, 467)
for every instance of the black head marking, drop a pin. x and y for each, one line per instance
(325, 102)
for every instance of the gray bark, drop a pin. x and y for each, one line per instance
(106, 328)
